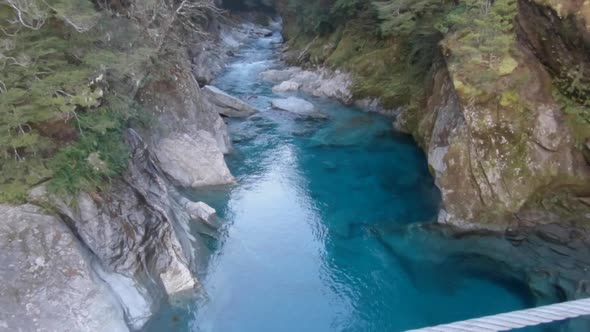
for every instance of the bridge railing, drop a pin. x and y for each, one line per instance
(517, 319)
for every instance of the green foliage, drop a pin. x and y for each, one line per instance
(100, 154)
(403, 17)
(75, 170)
(345, 9)
(481, 42)
(569, 94)
(389, 44)
(61, 114)
(17, 177)
(490, 25)
(323, 17)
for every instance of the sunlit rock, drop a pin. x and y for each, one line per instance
(286, 86)
(227, 105)
(47, 280)
(193, 161)
(297, 106)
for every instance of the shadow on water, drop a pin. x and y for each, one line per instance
(329, 229)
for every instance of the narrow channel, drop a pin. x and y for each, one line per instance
(321, 230)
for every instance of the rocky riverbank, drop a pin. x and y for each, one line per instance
(106, 260)
(510, 155)
(506, 145)
(507, 153)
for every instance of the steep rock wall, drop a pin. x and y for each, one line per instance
(510, 157)
(131, 240)
(490, 160)
(506, 133)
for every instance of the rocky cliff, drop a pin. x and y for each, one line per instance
(500, 106)
(111, 253)
(510, 154)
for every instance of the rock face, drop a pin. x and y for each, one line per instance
(498, 160)
(135, 234)
(109, 259)
(320, 83)
(193, 161)
(47, 281)
(227, 105)
(179, 106)
(208, 57)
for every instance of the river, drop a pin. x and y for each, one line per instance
(317, 232)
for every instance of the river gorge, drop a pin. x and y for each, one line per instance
(292, 165)
(328, 226)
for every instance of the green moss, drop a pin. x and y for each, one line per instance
(507, 65)
(577, 115)
(74, 169)
(16, 178)
(509, 98)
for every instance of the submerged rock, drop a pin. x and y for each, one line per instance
(297, 106)
(227, 105)
(552, 260)
(48, 283)
(193, 161)
(293, 104)
(264, 32)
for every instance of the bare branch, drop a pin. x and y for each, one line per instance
(78, 26)
(22, 61)
(28, 13)
(189, 10)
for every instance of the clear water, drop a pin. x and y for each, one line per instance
(316, 234)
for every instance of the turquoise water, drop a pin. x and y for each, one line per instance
(317, 233)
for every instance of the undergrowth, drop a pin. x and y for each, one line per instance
(62, 98)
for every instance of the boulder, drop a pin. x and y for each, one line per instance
(227, 105)
(286, 86)
(48, 283)
(181, 106)
(265, 32)
(193, 161)
(294, 105)
(203, 212)
(297, 106)
(320, 83)
(279, 75)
